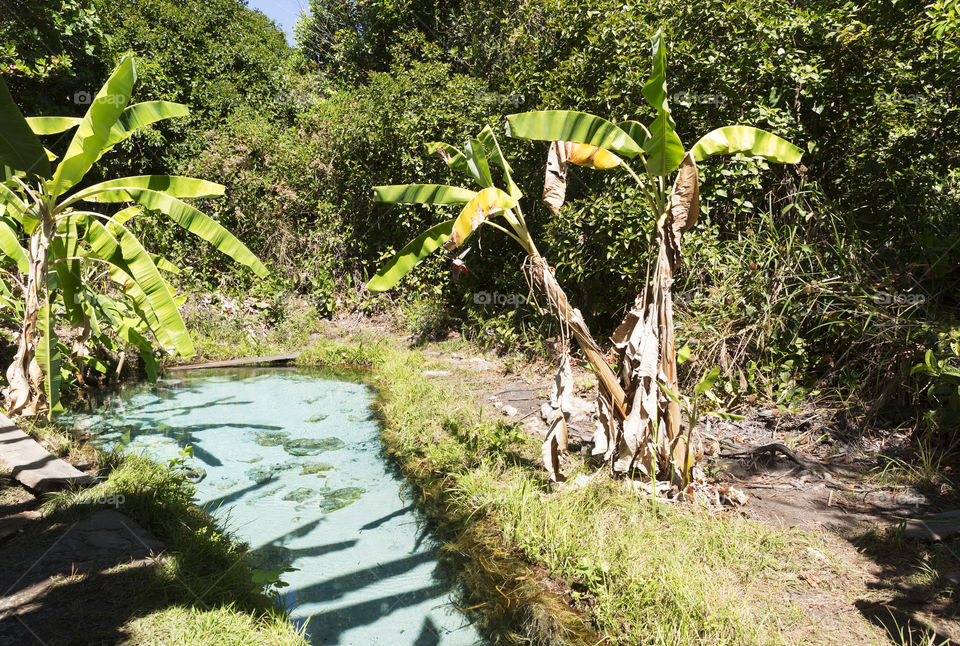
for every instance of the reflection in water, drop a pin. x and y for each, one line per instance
(292, 463)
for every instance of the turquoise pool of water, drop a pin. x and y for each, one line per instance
(292, 463)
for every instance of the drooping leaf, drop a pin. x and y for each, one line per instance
(10, 245)
(578, 127)
(637, 131)
(663, 147)
(485, 204)
(555, 177)
(19, 147)
(52, 125)
(119, 190)
(684, 202)
(48, 356)
(138, 115)
(199, 224)
(94, 129)
(559, 158)
(452, 155)
(746, 140)
(127, 254)
(407, 258)
(422, 194)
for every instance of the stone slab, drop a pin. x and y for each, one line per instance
(232, 363)
(31, 464)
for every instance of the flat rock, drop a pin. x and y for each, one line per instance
(10, 525)
(935, 527)
(31, 464)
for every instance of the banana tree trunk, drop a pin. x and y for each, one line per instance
(541, 278)
(24, 395)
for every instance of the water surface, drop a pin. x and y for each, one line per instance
(292, 462)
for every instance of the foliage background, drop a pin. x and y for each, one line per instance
(786, 278)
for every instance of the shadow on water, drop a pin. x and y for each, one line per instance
(385, 519)
(326, 627)
(381, 555)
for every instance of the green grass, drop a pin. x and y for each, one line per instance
(202, 590)
(635, 574)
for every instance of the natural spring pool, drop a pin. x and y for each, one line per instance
(292, 463)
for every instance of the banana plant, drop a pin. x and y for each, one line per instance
(488, 206)
(80, 266)
(644, 435)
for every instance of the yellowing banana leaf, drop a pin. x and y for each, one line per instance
(407, 258)
(746, 140)
(422, 194)
(592, 157)
(485, 204)
(51, 125)
(663, 147)
(567, 125)
(94, 129)
(19, 147)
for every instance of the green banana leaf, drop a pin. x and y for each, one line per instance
(19, 147)
(407, 258)
(48, 356)
(454, 157)
(51, 125)
(578, 127)
(10, 245)
(664, 149)
(127, 254)
(748, 141)
(637, 131)
(422, 194)
(138, 115)
(94, 129)
(477, 163)
(494, 154)
(199, 224)
(118, 190)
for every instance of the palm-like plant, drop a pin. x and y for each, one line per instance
(644, 434)
(481, 208)
(73, 254)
